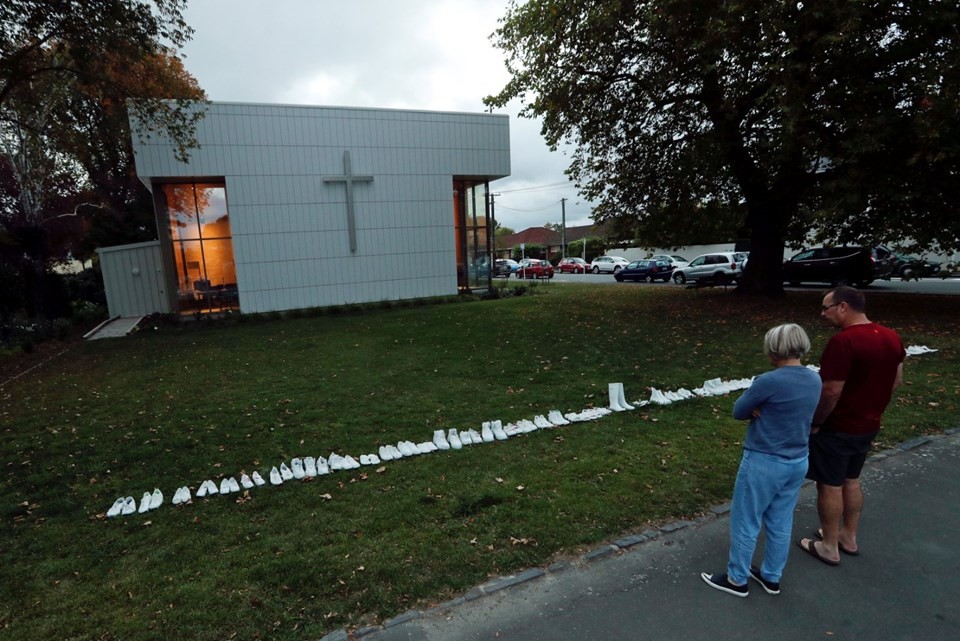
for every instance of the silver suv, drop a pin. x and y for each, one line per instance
(718, 268)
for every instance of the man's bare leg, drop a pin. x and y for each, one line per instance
(852, 507)
(831, 510)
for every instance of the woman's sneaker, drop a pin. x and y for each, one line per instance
(769, 586)
(722, 583)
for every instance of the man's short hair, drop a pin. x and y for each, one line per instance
(854, 298)
(786, 341)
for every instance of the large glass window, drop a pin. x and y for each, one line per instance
(199, 231)
(473, 244)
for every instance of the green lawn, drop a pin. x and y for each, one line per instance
(182, 404)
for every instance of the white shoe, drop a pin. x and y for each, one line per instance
(212, 488)
(202, 490)
(176, 496)
(285, 472)
(297, 466)
(404, 448)
(144, 503)
(374, 459)
(426, 447)
(156, 499)
(454, 439)
(350, 463)
(385, 453)
(486, 433)
(275, 477)
(257, 479)
(656, 396)
(129, 506)
(440, 440)
(335, 461)
(116, 508)
(234, 486)
(498, 431)
(364, 459)
(322, 466)
(556, 418)
(622, 399)
(395, 452)
(309, 466)
(541, 421)
(246, 482)
(224, 486)
(526, 426)
(613, 391)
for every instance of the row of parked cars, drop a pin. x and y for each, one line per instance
(845, 265)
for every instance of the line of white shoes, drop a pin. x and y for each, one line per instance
(310, 467)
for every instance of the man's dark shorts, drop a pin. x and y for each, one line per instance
(836, 456)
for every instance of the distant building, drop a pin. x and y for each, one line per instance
(549, 239)
(286, 207)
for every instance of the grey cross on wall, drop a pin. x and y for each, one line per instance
(349, 178)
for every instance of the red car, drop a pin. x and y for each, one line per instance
(531, 268)
(573, 266)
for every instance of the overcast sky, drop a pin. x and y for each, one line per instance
(403, 54)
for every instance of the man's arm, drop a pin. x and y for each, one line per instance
(829, 395)
(899, 377)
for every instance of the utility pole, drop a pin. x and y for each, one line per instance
(563, 227)
(493, 227)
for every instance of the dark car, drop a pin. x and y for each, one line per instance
(847, 265)
(914, 267)
(535, 269)
(649, 270)
(573, 266)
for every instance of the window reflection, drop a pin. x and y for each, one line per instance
(199, 225)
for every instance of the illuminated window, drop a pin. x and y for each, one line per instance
(199, 232)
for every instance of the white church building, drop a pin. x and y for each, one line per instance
(289, 207)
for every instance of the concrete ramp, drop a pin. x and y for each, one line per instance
(114, 327)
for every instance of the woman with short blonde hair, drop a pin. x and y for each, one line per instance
(779, 405)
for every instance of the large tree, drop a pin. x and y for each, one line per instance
(71, 72)
(777, 119)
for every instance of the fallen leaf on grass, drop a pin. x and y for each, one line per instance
(326, 497)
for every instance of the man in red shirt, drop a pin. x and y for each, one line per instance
(860, 368)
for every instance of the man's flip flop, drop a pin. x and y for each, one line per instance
(839, 545)
(811, 549)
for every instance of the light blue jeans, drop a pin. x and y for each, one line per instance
(766, 493)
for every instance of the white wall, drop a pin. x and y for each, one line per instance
(289, 227)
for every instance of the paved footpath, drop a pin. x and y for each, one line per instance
(904, 585)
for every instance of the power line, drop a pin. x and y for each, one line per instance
(537, 188)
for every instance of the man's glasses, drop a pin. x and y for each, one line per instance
(826, 307)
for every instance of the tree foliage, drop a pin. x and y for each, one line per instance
(72, 73)
(786, 119)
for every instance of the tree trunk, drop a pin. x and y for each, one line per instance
(764, 273)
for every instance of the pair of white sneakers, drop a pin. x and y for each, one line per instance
(150, 501)
(123, 506)
(182, 495)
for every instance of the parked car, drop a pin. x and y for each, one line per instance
(838, 266)
(676, 261)
(611, 264)
(532, 268)
(912, 266)
(572, 266)
(505, 266)
(718, 268)
(647, 269)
